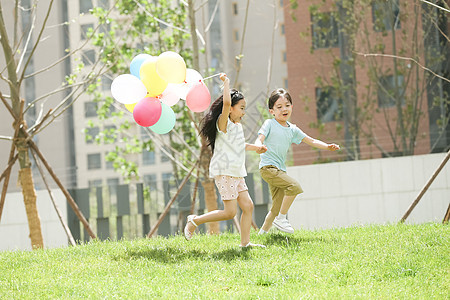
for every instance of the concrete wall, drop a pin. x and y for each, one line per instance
(373, 191)
(14, 232)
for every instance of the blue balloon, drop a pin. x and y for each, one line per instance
(136, 63)
(166, 122)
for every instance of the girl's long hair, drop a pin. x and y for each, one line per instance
(208, 124)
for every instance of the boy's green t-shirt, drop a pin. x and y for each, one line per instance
(278, 139)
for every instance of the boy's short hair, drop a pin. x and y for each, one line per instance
(276, 94)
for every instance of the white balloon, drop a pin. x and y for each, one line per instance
(170, 96)
(128, 89)
(192, 77)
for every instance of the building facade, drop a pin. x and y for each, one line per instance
(322, 55)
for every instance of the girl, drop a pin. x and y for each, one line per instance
(223, 131)
(278, 134)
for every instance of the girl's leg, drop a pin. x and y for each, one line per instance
(246, 205)
(228, 212)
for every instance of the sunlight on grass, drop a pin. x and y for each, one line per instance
(383, 262)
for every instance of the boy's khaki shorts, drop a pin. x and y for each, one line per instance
(280, 185)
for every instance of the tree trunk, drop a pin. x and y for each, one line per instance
(211, 204)
(205, 153)
(29, 198)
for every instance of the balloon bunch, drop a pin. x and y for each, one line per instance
(157, 83)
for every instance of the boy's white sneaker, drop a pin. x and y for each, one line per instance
(283, 225)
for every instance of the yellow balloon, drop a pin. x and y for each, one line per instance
(130, 107)
(171, 67)
(153, 82)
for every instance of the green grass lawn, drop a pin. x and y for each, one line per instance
(373, 262)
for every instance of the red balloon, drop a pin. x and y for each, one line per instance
(198, 98)
(147, 111)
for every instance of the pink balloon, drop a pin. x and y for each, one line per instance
(147, 111)
(198, 98)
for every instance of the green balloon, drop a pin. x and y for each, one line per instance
(166, 122)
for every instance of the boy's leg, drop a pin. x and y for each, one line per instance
(287, 202)
(277, 199)
(246, 205)
(291, 189)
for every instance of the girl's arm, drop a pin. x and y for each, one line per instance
(319, 144)
(258, 148)
(223, 119)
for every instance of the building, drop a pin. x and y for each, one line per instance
(316, 47)
(56, 140)
(221, 25)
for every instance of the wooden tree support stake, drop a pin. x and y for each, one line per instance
(447, 216)
(12, 159)
(32, 145)
(425, 188)
(72, 202)
(58, 212)
(169, 204)
(195, 192)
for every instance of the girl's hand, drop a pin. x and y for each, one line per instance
(333, 147)
(261, 149)
(224, 77)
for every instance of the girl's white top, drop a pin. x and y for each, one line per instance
(229, 152)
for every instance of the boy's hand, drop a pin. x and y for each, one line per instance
(261, 149)
(333, 147)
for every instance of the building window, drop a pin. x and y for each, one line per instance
(109, 165)
(106, 83)
(284, 56)
(110, 134)
(88, 57)
(286, 84)
(236, 35)
(95, 183)
(282, 29)
(103, 4)
(85, 29)
(388, 91)
(94, 161)
(85, 6)
(148, 157)
(281, 3)
(385, 15)
(324, 31)
(90, 134)
(90, 109)
(329, 105)
(235, 8)
(150, 180)
(112, 184)
(164, 157)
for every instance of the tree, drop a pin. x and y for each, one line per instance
(401, 49)
(157, 27)
(19, 52)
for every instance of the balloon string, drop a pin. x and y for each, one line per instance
(215, 75)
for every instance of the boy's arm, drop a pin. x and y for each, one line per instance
(319, 144)
(260, 140)
(223, 119)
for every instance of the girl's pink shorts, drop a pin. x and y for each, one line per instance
(229, 187)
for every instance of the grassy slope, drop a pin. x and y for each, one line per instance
(376, 262)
